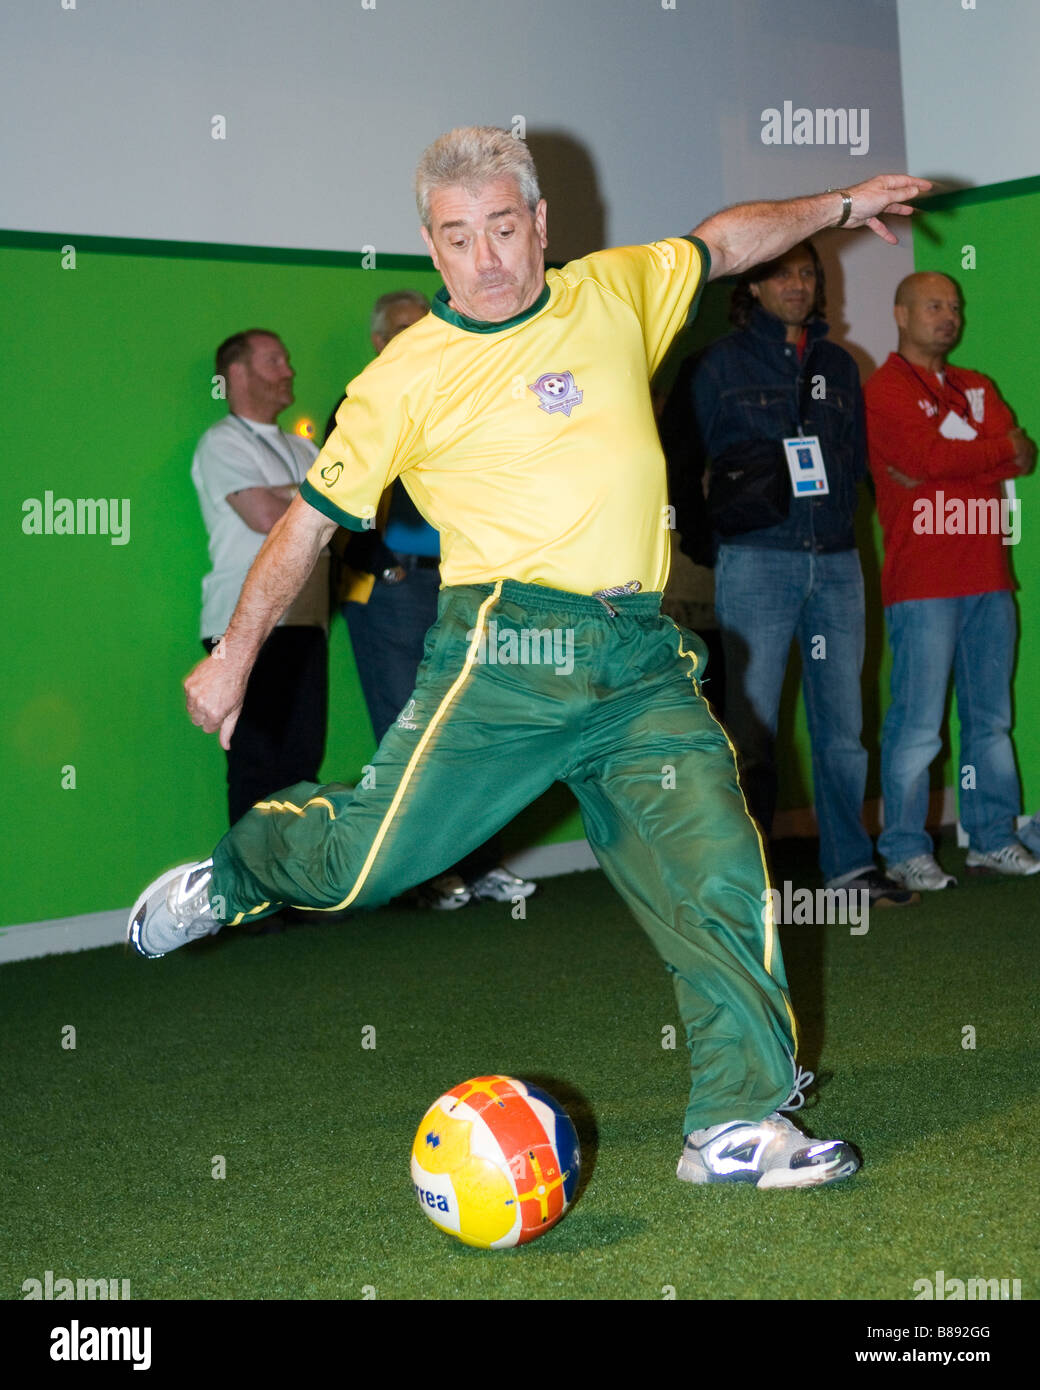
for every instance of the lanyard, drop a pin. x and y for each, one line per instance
(290, 466)
(947, 382)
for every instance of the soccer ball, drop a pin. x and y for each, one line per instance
(495, 1162)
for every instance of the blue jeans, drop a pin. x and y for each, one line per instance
(388, 634)
(975, 639)
(1030, 834)
(764, 599)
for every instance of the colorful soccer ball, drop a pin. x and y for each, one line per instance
(495, 1162)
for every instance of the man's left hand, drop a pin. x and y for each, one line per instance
(1025, 451)
(754, 233)
(883, 194)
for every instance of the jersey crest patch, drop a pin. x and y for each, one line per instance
(557, 391)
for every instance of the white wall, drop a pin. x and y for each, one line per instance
(643, 119)
(970, 80)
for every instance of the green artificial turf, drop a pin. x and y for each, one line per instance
(250, 1048)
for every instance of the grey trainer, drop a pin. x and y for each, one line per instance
(447, 893)
(1012, 859)
(500, 886)
(768, 1153)
(922, 873)
(173, 910)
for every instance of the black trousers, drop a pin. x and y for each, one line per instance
(280, 735)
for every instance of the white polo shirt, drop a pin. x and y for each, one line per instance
(232, 455)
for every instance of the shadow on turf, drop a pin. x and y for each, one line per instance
(599, 1231)
(290, 921)
(803, 951)
(568, 1237)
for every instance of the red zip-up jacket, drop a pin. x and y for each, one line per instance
(925, 557)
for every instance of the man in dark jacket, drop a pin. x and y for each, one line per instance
(776, 403)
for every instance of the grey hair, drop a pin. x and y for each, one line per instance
(470, 157)
(381, 308)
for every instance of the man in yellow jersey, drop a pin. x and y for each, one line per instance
(518, 416)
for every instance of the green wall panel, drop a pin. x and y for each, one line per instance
(108, 375)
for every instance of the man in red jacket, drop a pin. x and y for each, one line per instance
(941, 443)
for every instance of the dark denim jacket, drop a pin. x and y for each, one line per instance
(748, 384)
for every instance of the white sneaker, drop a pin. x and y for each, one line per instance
(770, 1153)
(447, 893)
(500, 886)
(173, 910)
(921, 872)
(1012, 859)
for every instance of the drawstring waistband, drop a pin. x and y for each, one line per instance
(632, 587)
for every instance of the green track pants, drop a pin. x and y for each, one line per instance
(522, 686)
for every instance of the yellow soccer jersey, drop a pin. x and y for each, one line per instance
(531, 444)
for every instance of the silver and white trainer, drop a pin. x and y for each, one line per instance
(173, 910)
(1012, 859)
(921, 872)
(447, 893)
(500, 886)
(767, 1153)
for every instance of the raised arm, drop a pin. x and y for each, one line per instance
(216, 687)
(752, 233)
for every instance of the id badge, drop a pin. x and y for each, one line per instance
(806, 467)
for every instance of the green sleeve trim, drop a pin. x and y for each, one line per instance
(705, 255)
(328, 508)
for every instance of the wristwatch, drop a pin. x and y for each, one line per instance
(846, 205)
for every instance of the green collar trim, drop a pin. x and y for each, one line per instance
(443, 310)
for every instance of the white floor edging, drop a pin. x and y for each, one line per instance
(93, 929)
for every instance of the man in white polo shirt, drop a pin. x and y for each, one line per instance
(247, 471)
